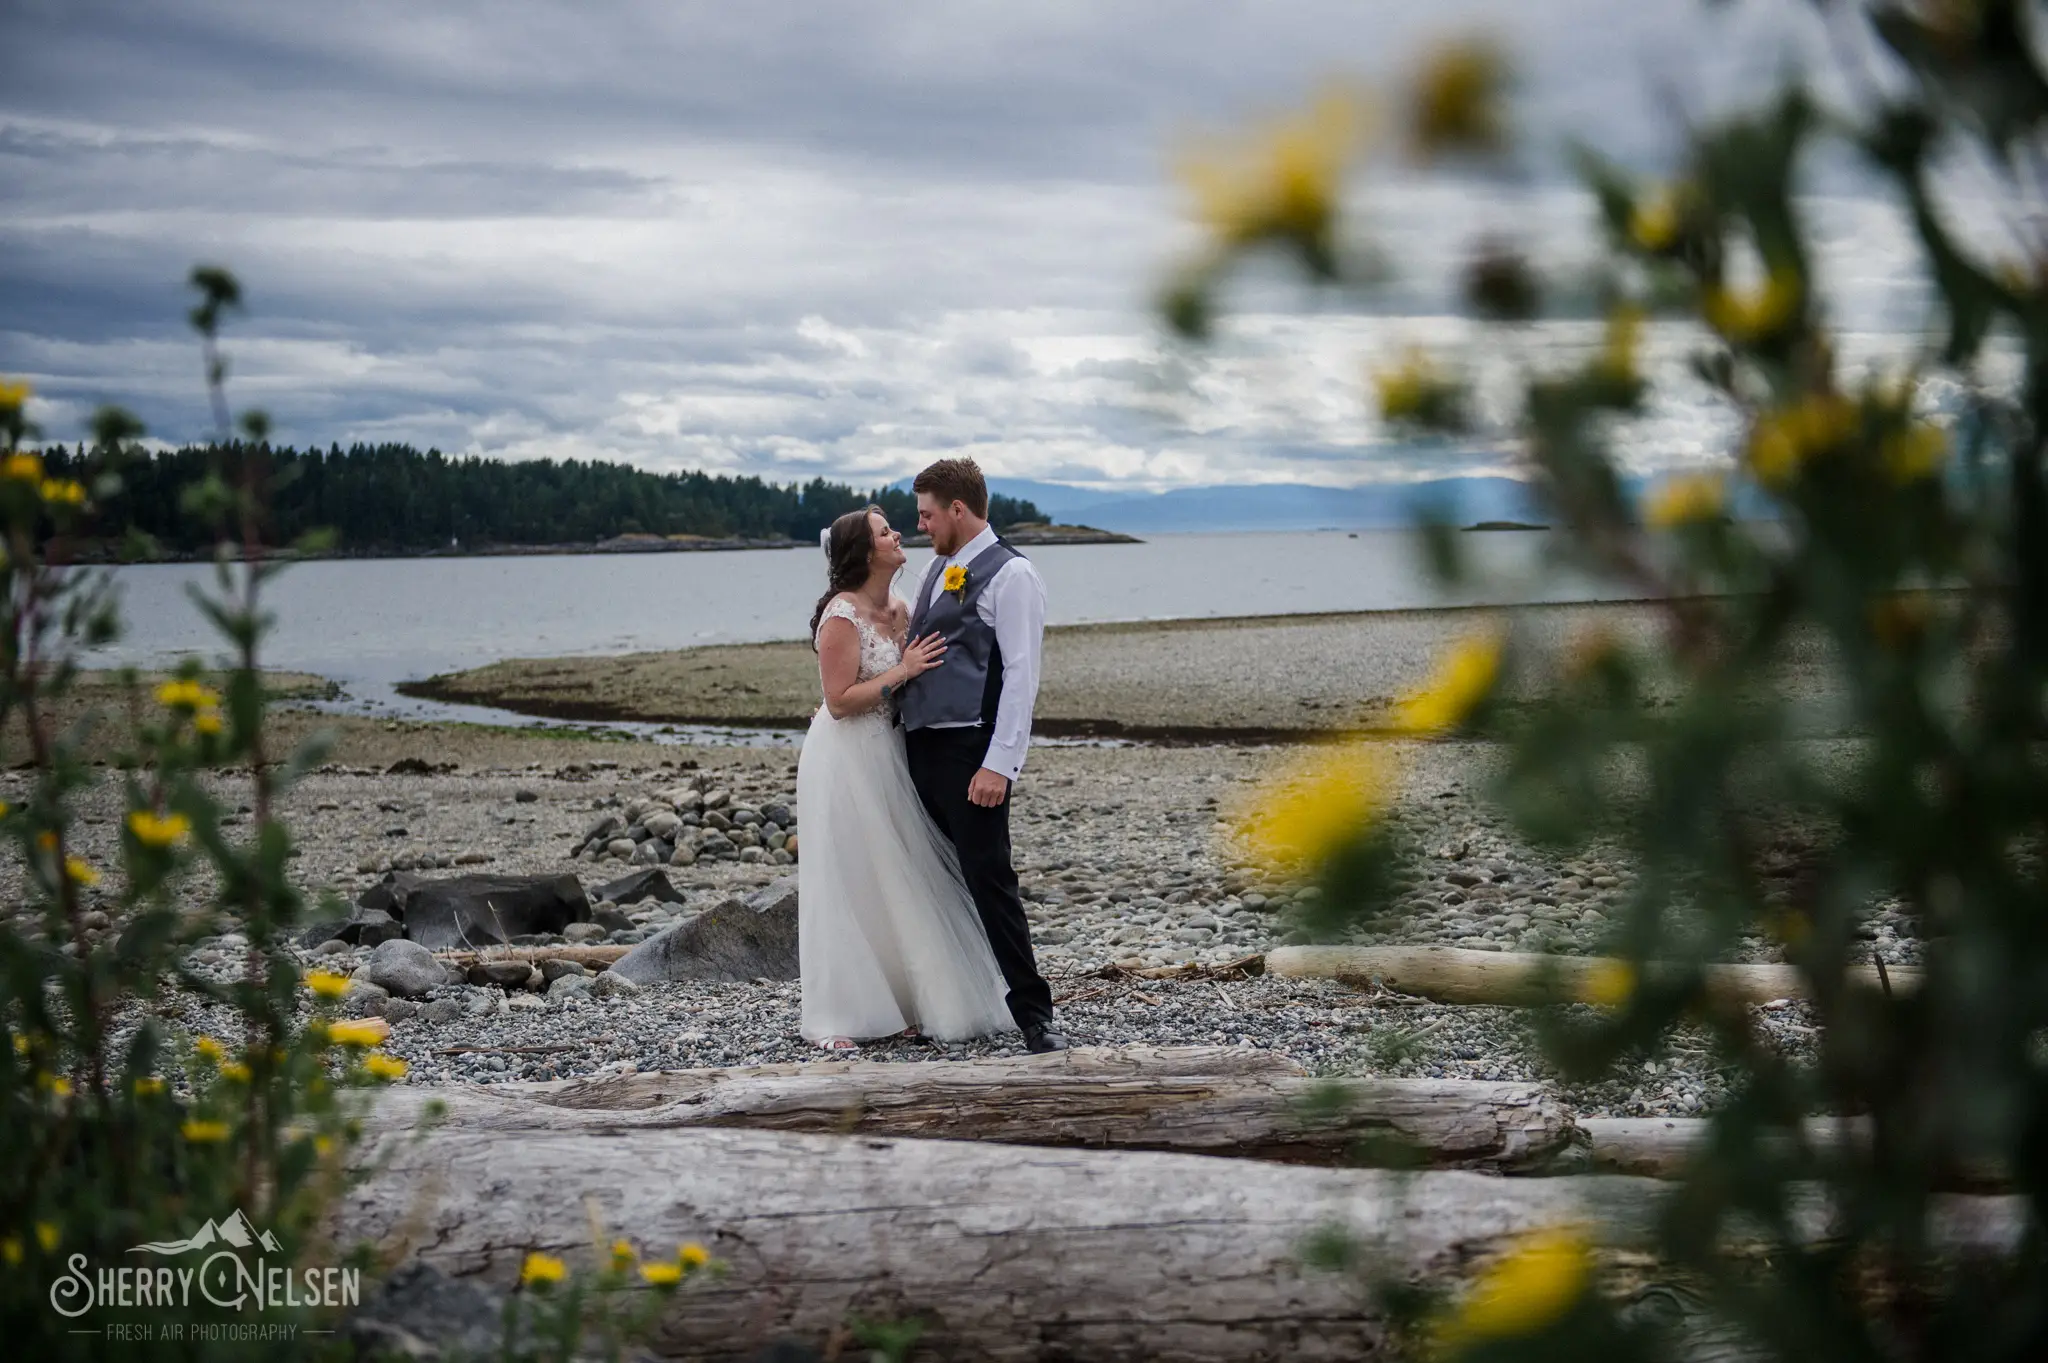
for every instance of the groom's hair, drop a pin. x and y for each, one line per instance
(955, 480)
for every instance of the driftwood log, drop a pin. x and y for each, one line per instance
(1451, 975)
(1659, 1147)
(595, 957)
(1199, 1100)
(1004, 1252)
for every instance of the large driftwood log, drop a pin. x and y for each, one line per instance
(1005, 1252)
(1204, 1100)
(1451, 975)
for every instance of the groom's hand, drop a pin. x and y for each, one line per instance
(988, 789)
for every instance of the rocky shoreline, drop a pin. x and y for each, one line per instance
(1125, 858)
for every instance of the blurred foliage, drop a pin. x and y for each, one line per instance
(1907, 548)
(116, 1128)
(384, 498)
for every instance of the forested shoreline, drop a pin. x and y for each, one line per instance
(396, 499)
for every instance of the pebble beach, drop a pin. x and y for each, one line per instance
(1126, 853)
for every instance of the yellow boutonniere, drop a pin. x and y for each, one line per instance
(955, 579)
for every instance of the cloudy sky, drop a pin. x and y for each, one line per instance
(793, 239)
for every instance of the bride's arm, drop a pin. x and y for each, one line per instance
(839, 668)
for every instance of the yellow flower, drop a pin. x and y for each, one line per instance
(1303, 817)
(58, 1086)
(63, 491)
(5, 809)
(384, 1066)
(323, 1145)
(1654, 221)
(1618, 349)
(622, 1255)
(1457, 100)
(81, 873)
(692, 1256)
(1914, 453)
(1416, 390)
(1282, 182)
(363, 1033)
(955, 578)
(205, 1133)
(206, 1048)
(541, 1268)
(148, 1086)
(48, 1236)
(1462, 679)
(1686, 499)
(10, 1249)
(46, 840)
(236, 1071)
(1607, 983)
(207, 721)
(13, 395)
(23, 467)
(186, 695)
(1746, 318)
(327, 984)
(158, 830)
(1530, 1288)
(1784, 440)
(661, 1274)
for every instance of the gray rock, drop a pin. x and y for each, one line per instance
(584, 933)
(526, 797)
(622, 848)
(597, 831)
(440, 1011)
(567, 986)
(364, 999)
(419, 1312)
(523, 1003)
(476, 909)
(717, 799)
(399, 1010)
(611, 920)
(556, 969)
(682, 856)
(639, 887)
(741, 939)
(405, 968)
(649, 853)
(504, 974)
(611, 986)
(334, 947)
(663, 825)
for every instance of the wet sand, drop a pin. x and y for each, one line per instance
(1247, 679)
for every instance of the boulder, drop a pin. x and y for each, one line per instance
(555, 969)
(405, 969)
(741, 939)
(641, 885)
(477, 909)
(662, 824)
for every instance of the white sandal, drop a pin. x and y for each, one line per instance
(839, 1043)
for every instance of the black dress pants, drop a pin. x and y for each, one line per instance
(942, 763)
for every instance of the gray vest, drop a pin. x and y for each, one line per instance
(965, 686)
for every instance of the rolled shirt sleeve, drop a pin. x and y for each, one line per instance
(1019, 620)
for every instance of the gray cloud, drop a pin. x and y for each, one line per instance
(787, 240)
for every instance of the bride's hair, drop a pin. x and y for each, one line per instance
(848, 550)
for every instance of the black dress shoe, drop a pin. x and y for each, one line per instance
(1042, 1038)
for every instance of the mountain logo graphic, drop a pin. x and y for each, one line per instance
(235, 1230)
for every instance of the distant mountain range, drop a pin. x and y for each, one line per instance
(1298, 506)
(235, 1229)
(1275, 506)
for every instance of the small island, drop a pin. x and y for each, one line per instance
(1029, 534)
(1505, 525)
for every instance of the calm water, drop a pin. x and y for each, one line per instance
(372, 624)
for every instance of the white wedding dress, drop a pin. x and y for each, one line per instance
(887, 935)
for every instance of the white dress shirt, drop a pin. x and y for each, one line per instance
(1013, 605)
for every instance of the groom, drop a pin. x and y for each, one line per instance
(967, 721)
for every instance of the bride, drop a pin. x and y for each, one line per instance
(888, 939)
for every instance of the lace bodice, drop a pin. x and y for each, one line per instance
(878, 652)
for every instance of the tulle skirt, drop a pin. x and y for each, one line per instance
(887, 935)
